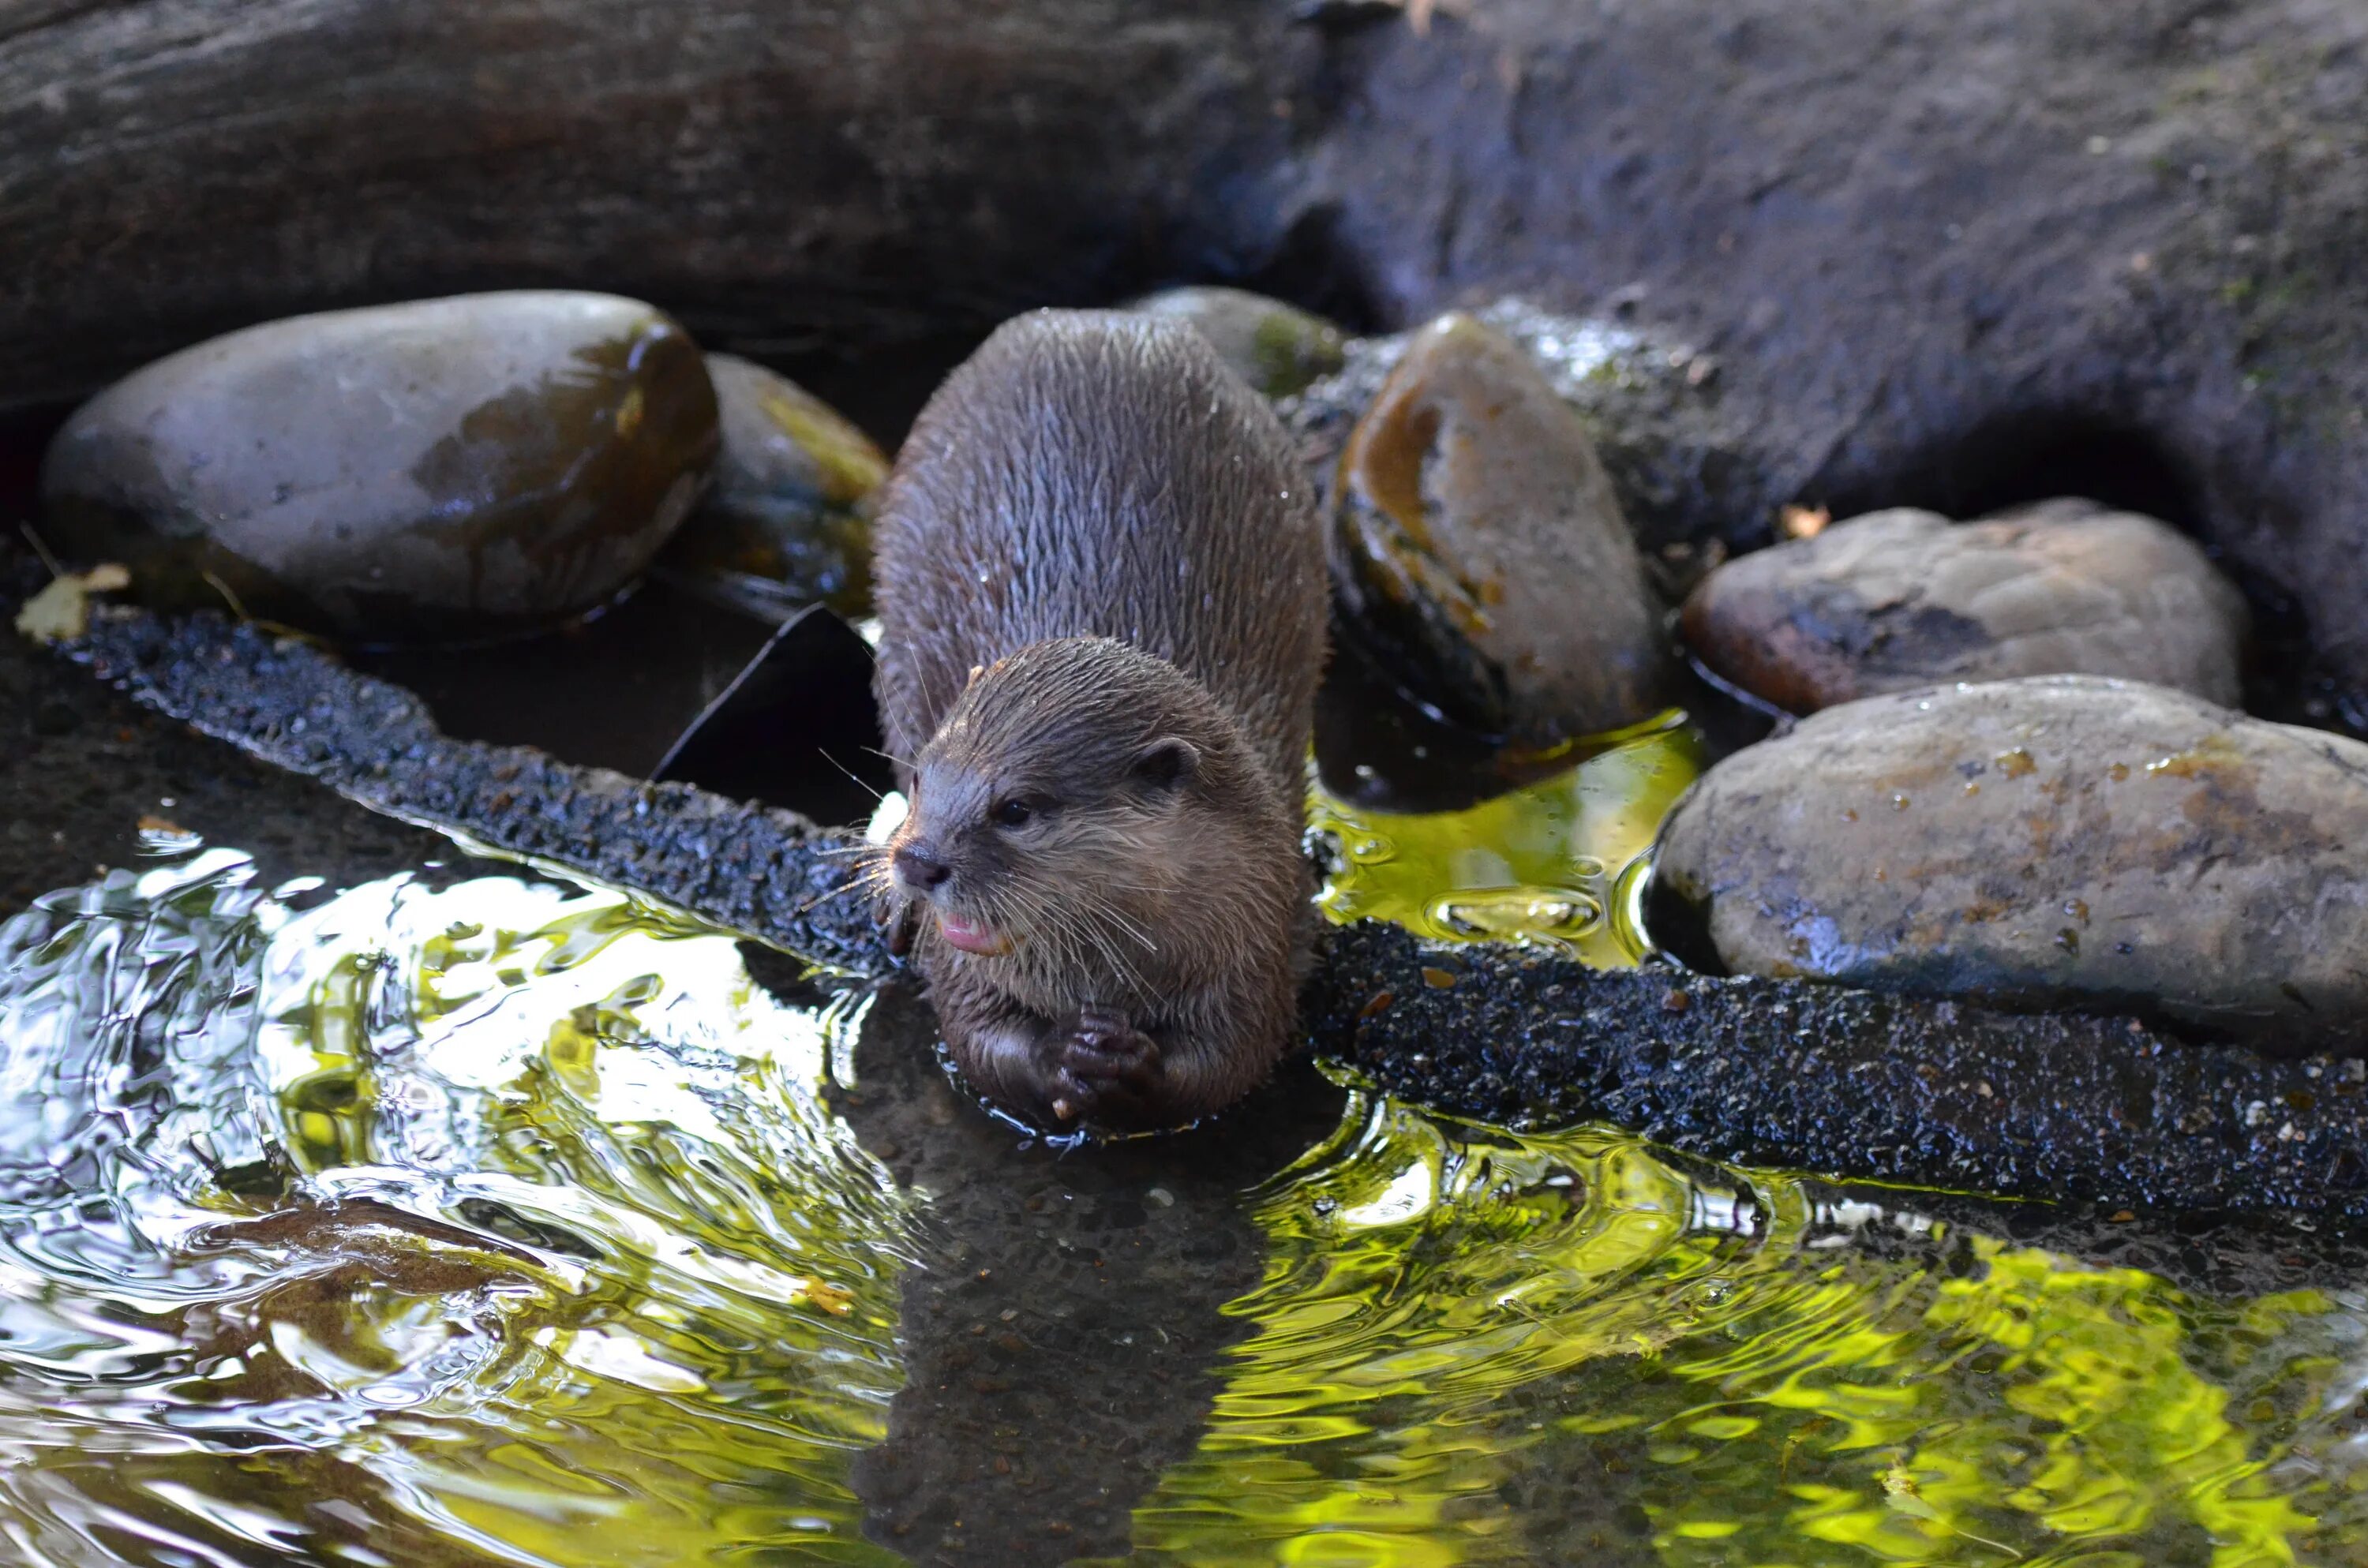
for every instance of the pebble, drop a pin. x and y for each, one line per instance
(442, 470)
(2059, 840)
(1903, 598)
(1278, 349)
(789, 517)
(1480, 553)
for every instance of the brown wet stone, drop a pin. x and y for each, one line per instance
(788, 521)
(1276, 347)
(2135, 846)
(1479, 549)
(442, 470)
(1901, 599)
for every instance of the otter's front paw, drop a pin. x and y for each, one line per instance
(1105, 1072)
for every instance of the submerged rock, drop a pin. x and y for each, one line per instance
(2056, 840)
(789, 517)
(1904, 599)
(1278, 349)
(451, 468)
(1479, 550)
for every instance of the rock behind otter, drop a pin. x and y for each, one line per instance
(1102, 603)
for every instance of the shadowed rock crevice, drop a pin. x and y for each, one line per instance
(2037, 454)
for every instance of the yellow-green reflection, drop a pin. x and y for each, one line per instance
(610, 1286)
(1548, 864)
(1478, 1347)
(607, 1079)
(605, 1283)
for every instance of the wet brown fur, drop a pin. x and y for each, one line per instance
(1101, 593)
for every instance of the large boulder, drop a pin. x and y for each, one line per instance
(454, 468)
(1904, 598)
(2057, 840)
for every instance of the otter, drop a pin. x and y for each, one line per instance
(1102, 602)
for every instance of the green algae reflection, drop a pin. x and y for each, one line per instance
(1478, 1347)
(504, 1222)
(1552, 864)
(585, 1273)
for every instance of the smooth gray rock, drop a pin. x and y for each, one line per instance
(455, 468)
(788, 520)
(1903, 598)
(1479, 551)
(2054, 840)
(1278, 349)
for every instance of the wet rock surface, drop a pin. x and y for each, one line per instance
(1902, 599)
(2057, 840)
(788, 518)
(1816, 1077)
(1276, 347)
(1689, 476)
(447, 469)
(1479, 551)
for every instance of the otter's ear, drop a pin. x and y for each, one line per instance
(1166, 762)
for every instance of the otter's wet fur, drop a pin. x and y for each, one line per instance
(1102, 601)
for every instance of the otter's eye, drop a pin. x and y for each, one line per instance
(1012, 812)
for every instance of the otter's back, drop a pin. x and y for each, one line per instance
(1097, 473)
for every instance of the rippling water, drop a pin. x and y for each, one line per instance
(498, 1221)
(1555, 864)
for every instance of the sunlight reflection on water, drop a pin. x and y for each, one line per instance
(503, 1221)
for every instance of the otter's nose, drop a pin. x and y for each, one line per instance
(920, 867)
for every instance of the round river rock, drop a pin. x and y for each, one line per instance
(453, 468)
(1479, 551)
(1904, 598)
(1278, 349)
(789, 517)
(2060, 840)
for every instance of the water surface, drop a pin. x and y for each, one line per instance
(495, 1221)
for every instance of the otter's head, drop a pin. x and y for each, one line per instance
(1079, 795)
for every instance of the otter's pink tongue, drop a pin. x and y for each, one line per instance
(970, 937)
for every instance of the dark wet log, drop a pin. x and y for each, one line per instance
(1823, 1078)
(847, 171)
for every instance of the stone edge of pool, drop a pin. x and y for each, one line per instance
(1849, 1083)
